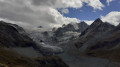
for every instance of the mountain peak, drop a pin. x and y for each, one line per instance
(83, 23)
(98, 20)
(98, 26)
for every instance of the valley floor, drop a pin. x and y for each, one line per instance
(80, 61)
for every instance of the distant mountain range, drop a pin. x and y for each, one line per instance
(66, 32)
(100, 40)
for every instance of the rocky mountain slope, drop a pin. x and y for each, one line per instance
(108, 47)
(95, 32)
(102, 40)
(13, 37)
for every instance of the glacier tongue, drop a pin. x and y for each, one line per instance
(50, 50)
(45, 48)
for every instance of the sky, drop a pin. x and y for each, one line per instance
(54, 13)
(88, 13)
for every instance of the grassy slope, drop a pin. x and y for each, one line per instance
(11, 59)
(112, 55)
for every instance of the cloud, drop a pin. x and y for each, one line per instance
(88, 22)
(108, 2)
(60, 19)
(112, 17)
(34, 13)
(96, 4)
(25, 25)
(59, 3)
(65, 11)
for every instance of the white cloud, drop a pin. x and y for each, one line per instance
(59, 3)
(112, 18)
(33, 13)
(65, 11)
(108, 2)
(60, 19)
(96, 4)
(88, 22)
(22, 24)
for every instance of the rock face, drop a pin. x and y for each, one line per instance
(13, 36)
